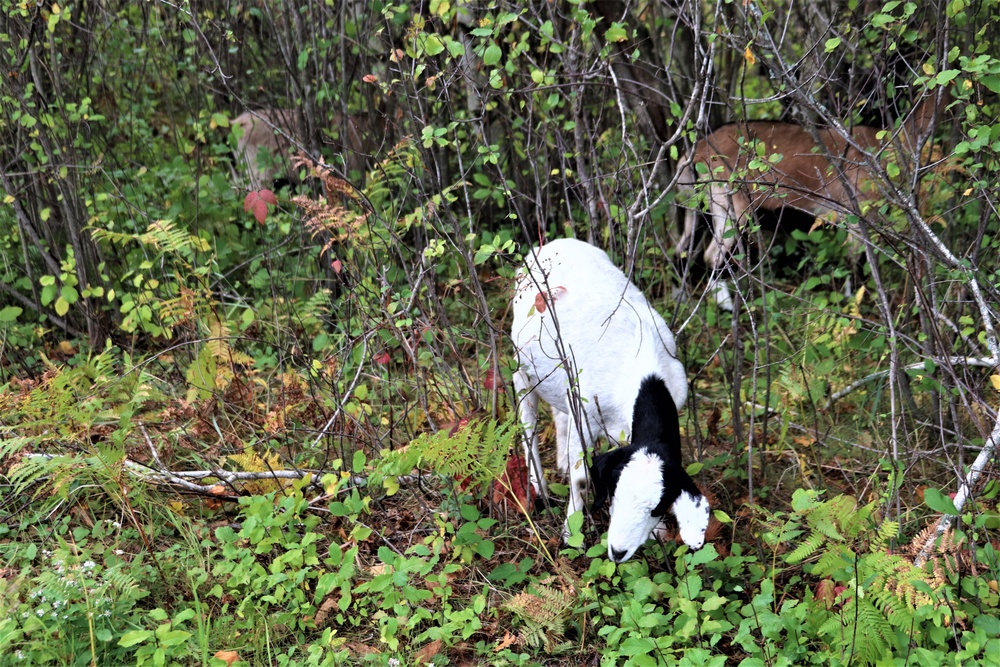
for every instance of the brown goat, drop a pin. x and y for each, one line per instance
(834, 178)
(271, 136)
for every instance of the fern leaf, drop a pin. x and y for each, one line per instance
(807, 548)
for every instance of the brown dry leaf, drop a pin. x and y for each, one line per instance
(218, 490)
(229, 657)
(359, 649)
(508, 640)
(427, 652)
(380, 568)
(329, 605)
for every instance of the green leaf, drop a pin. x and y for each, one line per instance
(832, 44)
(991, 81)
(704, 555)
(174, 637)
(134, 637)
(492, 55)
(642, 589)
(946, 76)
(10, 313)
(469, 512)
(486, 549)
(722, 517)
(455, 48)
(62, 306)
(575, 523)
(433, 45)
(939, 502)
(358, 464)
(616, 33)
(694, 468)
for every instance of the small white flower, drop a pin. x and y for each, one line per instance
(89, 565)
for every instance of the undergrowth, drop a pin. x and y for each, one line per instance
(372, 562)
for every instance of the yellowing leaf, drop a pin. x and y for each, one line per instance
(749, 56)
(995, 381)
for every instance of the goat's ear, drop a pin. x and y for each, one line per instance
(604, 475)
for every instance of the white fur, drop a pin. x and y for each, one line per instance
(585, 354)
(692, 514)
(639, 490)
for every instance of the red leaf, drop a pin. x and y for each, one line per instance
(513, 484)
(369, 78)
(382, 358)
(825, 592)
(256, 202)
(337, 266)
(490, 381)
(540, 302)
(458, 426)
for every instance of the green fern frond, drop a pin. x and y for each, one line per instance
(806, 548)
(887, 532)
(163, 235)
(834, 558)
(826, 525)
(33, 468)
(475, 453)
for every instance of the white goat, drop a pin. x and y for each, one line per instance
(586, 340)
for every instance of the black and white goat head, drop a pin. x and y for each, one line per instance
(646, 481)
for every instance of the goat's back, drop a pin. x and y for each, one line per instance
(612, 336)
(806, 177)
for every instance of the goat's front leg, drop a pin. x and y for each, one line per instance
(578, 477)
(528, 411)
(727, 211)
